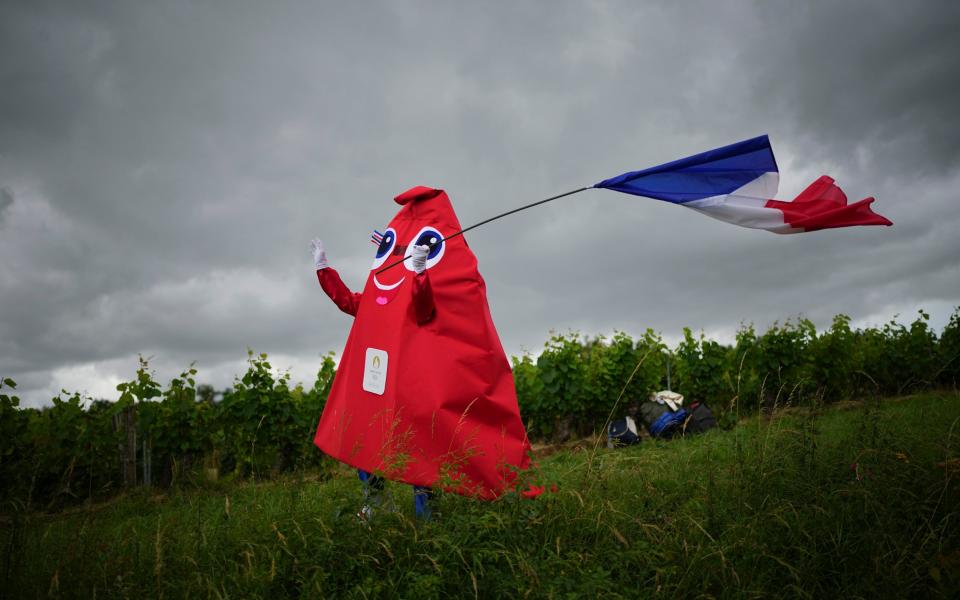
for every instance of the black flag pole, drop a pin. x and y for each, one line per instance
(500, 216)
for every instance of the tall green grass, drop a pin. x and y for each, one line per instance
(860, 502)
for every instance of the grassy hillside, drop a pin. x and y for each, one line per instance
(860, 501)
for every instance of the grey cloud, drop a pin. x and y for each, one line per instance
(866, 82)
(170, 162)
(6, 201)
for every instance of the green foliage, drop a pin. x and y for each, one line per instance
(263, 426)
(72, 449)
(309, 406)
(141, 389)
(562, 371)
(13, 422)
(609, 368)
(179, 428)
(72, 452)
(782, 361)
(575, 383)
(856, 503)
(651, 363)
(14, 440)
(703, 370)
(255, 416)
(901, 359)
(949, 372)
(837, 361)
(267, 427)
(526, 379)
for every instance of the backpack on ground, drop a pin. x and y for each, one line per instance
(622, 432)
(701, 419)
(663, 414)
(668, 424)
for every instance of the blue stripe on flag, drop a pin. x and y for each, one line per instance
(711, 173)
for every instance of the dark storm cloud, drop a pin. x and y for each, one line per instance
(170, 161)
(872, 83)
(6, 201)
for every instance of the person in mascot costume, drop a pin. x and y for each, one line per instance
(423, 393)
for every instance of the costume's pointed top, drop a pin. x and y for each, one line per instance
(417, 193)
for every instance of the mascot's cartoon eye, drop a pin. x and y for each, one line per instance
(432, 237)
(385, 247)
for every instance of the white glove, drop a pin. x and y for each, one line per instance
(418, 258)
(319, 254)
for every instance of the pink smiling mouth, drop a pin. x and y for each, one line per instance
(387, 292)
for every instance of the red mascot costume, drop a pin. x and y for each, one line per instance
(423, 393)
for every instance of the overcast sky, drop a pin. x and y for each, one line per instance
(164, 165)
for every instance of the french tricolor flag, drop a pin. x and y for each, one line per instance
(737, 184)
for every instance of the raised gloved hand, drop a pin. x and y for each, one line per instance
(418, 258)
(319, 253)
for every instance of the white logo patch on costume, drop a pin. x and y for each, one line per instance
(375, 371)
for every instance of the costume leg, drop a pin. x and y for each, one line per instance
(421, 502)
(370, 481)
(372, 493)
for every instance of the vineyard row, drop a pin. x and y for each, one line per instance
(80, 448)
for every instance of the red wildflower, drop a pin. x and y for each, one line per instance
(533, 492)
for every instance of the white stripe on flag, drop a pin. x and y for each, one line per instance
(746, 206)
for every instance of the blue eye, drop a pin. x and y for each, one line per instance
(434, 240)
(385, 248)
(428, 236)
(386, 245)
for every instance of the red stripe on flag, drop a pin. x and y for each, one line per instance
(823, 205)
